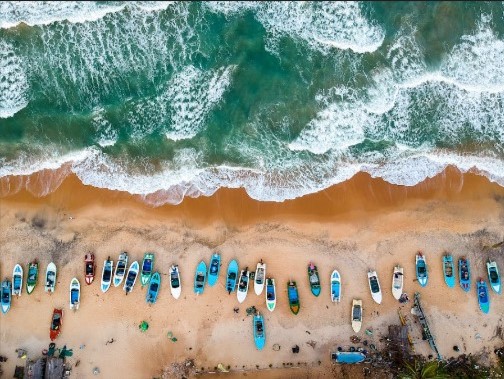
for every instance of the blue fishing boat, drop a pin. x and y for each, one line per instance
(464, 274)
(213, 270)
(293, 295)
(483, 298)
(348, 357)
(6, 296)
(493, 276)
(421, 269)
(232, 276)
(259, 331)
(200, 278)
(449, 270)
(153, 289)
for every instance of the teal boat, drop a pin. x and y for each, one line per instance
(348, 357)
(259, 331)
(153, 289)
(483, 297)
(421, 269)
(213, 270)
(32, 277)
(232, 276)
(147, 268)
(5, 296)
(449, 270)
(293, 295)
(464, 274)
(314, 279)
(200, 278)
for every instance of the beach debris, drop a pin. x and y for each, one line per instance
(221, 368)
(354, 339)
(3, 359)
(369, 332)
(295, 349)
(477, 336)
(21, 353)
(19, 372)
(110, 341)
(82, 346)
(143, 326)
(312, 344)
(404, 298)
(96, 371)
(171, 337)
(251, 310)
(64, 352)
(276, 347)
(180, 370)
(236, 309)
(456, 348)
(307, 332)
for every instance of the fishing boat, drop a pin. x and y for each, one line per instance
(483, 298)
(232, 276)
(50, 278)
(243, 285)
(32, 277)
(175, 285)
(106, 279)
(449, 270)
(259, 331)
(270, 294)
(314, 279)
(6, 296)
(335, 287)
(292, 293)
(493, 276)
(131, 277)
(213, 269)
(153, 289)
(464, 274)
(17, 280)
(348, 357)
(74, 294)
(374, 286)
(147, 268)
(56, 323)
(90, 267)
(200, 278)
(260, 276)
(421, 269)
(120, 269)
(397, 282)
(356, 315)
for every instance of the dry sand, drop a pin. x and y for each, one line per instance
(360, 224)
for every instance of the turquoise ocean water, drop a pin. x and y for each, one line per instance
(283, 99)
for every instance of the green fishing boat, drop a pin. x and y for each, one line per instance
(293, 297)
(147, 268)
(31, 280)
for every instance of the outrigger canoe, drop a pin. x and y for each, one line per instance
(397, 282)
(270, 294)
(356, 315)
(464, 274)
(493, 276)
(243, 285)
(292, 293)
(50, 278)
(131, 277)
(56, 323)
(106, 279)
(175, 285)
(153, 289)
(260, 276)
(314, 279)
(335, 287)
(232, 276)
(17, 280)
(6, 296)
(200, 278)
(449, 270)
(421, 269)
(32, 277)
(483, 296)
(74, 294)
(259, 331)
(120, 269)
(147, 268)
(90, 267)
(214, 269)
(374, 286)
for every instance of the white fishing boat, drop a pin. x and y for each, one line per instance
(494, 276)
(270, 294)
(175, 285)
(106, 278)
(17, 280)
(74, 294)
(243, 285)
(397, 282)
(374, 286)
(335, 287)
(260, 276)
(50, 278)
(131, 277)
(120, 269)
(356, 315)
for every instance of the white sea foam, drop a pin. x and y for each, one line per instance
(13, 82)
(106, 135)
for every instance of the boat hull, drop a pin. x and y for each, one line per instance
(106, 281)
(465, 279)
(449, 271)
(243, 286)
(494, 276)
(214, 269)
(147, 268)
(56, 324)
(6, 296)
(376, 293)
(397, 282)
(293, 295)
(120, 269)
(483, 296)
(199, 284)
(131, 277)
(259, 279)
(32, 277)
(259, 331)
(270, 294)
(314, 279)
(89, 268)
(153, 290)
(335, 287)
(175, 287)
(232, 276)
(74, 294)
(348, 357)
(356, 316)
(17, 280)
(421, 270)
(51, 275)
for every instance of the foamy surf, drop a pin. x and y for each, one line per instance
(13, 82)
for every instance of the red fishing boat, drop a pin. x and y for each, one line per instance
(56, 323)
(89, 261)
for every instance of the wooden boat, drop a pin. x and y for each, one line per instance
(270, 294)
(314, 279)
(335, 287)
(90, 267)
(56, 324)
(6, 296)
(397, 282)
(374, 286)
(120, 269)
(260, 276)
(175, 284)
(232, 276)
(200, 278)
(32, 277)
(449, 270)
(483, 295)
(259, 331)
(356, 315)
(106, 279)
(421, 269)
(348, 357)
(153, 289)
(50, 278)
(213, 269)
(17, 280)
(147, 268)
(493, 276)
(292, 293)
(464, 274)
(74, 294)
(243, 285)
(131, 277)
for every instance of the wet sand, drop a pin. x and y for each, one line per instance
(353, 226)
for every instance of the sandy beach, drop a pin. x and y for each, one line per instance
(357, 225)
